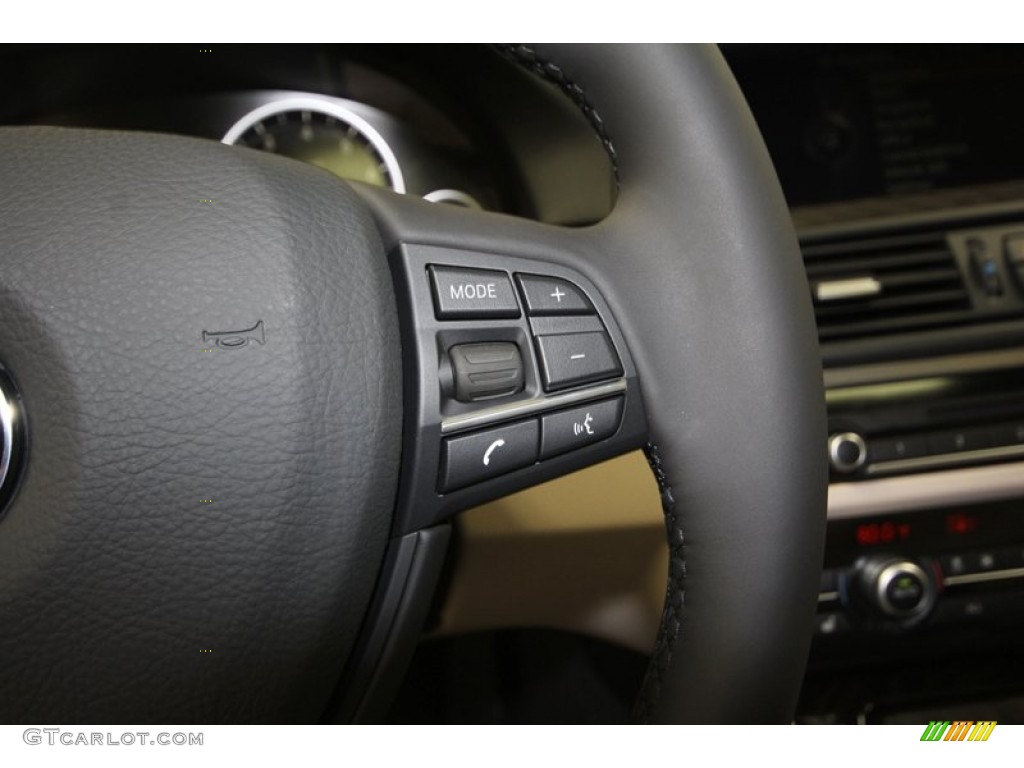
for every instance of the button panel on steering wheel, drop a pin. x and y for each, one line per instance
(515, 373)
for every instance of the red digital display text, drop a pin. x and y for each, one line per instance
(882, 533)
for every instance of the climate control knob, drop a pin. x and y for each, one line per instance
(896, 588)
(847, 452)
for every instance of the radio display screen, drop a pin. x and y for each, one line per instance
(857, 121)
(929, 532)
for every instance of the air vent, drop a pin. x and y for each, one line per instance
(884, 286)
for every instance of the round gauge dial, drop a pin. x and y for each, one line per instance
(323, 133)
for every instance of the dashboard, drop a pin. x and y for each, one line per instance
(905, 184)
(456, 125)
(905, 175)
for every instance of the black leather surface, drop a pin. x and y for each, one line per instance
(703, 261)
(701, 266)
(199, 528)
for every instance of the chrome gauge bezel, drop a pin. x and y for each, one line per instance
(336, 108)
(453, 197)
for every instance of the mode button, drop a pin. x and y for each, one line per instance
(481, 294)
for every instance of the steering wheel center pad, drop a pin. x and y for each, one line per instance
(207, 345)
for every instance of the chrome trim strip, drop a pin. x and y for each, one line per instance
(7, 435)
(529, 407)
(909, 493)
(916, 369)
(945, 460)
(976, 578)
(950, 210)
(849, 288)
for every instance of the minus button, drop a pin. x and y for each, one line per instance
(569, 359)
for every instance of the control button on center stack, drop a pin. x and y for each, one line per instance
(473, 458)
(899, 447)
(957, 565)
(568, 359)
(902, 589)
(905, 591)
(567, 430)
(985, 268)
(958, 441)
(464, 294)
(847, 452)
(1010, 433)
(1013, 246)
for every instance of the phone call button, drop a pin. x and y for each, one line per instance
(472, 458)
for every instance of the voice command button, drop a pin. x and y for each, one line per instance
(567, 430)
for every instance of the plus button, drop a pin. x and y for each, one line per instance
(558, 294)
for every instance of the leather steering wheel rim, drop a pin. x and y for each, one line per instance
(192, 324)
(737, 419)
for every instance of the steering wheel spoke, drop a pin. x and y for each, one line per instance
(515, 368)
(696, 272)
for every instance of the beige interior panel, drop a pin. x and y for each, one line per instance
(584, 553)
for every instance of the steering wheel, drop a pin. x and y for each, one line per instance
(238, 432)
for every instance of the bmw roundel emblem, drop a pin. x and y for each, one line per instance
(12, 438)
